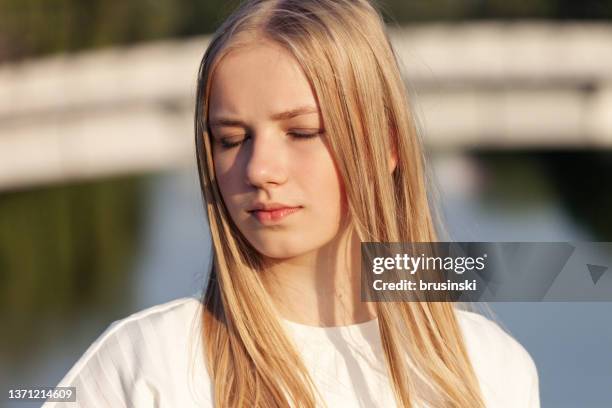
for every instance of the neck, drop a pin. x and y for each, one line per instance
(320, 288)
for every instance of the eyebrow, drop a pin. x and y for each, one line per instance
(303, 110)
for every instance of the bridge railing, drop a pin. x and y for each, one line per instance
(472, 85)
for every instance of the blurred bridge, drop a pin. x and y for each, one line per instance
(486, 85)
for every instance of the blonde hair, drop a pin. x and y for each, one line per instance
(346, 56)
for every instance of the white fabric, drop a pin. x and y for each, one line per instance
(151, 359)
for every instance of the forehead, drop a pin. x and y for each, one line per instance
(258, 79)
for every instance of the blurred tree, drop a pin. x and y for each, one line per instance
(64, 249)
(583, 181)
(576, 179)
(37, 27)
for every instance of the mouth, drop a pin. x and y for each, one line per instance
(275, 215)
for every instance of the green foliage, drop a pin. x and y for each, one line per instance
(37, 27)
(577, 180)
(34, 27)
(65, 248)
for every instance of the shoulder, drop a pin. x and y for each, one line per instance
(163, 321)
(152, 330)
(148, 358)
(506, 371)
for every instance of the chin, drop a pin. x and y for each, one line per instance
(275, 253)
(279, 250)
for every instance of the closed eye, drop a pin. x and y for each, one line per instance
(305, 135)
(226, 144)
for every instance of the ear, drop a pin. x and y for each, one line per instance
(392, 156)
(392, 159)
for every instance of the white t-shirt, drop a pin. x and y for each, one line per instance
(152, 359)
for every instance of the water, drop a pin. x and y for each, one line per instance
(159, 218)
(571, 343)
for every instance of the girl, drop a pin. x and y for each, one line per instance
(305, 148)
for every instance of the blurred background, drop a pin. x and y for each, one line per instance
(100, 209)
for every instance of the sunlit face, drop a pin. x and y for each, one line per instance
(269, 147)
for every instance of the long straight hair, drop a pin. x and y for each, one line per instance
(346, 55)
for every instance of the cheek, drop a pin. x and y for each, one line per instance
(227, 181)
(326, 188)
(221, 164)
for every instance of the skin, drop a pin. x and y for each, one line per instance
(312, 256)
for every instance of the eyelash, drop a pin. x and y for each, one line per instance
(302, 136)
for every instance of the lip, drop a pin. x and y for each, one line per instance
(259, 205)
(274, 215)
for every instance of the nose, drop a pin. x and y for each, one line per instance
(266, 164)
